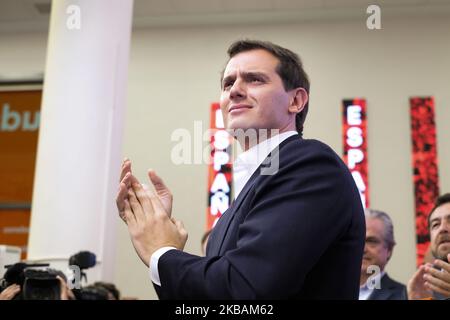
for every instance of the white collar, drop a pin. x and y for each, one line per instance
(247, 162)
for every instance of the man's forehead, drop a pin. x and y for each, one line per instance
(374, 225)
(441, 212)
(251, 61)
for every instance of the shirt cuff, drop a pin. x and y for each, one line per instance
(153, 265)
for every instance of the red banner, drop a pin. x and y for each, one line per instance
(355, 144)
(425, 167)
(220, 168)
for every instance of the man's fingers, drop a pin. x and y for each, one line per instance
(443, 265)
(163, 193)
(143, 197)
(159, 209)
(440, 274)
(437, 289)
(126, 167)
(63, 288)
(180, 226)
(418, 276)
(136, 206)
(133, 179)
(10, 292)
(157, 182)
(13, 289)
(121, 196)
(129, 217)
(437, 281)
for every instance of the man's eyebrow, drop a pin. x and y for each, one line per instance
(246, 74)
(227, 78)
(434, 219)
(255, 73)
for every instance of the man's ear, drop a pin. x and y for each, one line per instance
(390, 254)
(299, 100)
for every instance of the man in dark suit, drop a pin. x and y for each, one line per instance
(296, 228)
(389, 290)
(375, 282)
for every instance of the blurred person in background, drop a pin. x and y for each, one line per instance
(432, 280)
(375, 284)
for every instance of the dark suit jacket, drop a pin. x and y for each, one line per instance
(296, 234)
(390, 290)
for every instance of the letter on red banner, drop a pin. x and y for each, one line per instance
(355, 144)
(220, 168)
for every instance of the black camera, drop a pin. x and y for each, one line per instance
(36, 284)
(83, 259)
(39, 282)
(41, 285)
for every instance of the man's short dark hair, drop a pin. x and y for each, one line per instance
(290, 69)
(443, 199)
(109, 287)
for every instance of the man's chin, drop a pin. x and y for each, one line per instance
(444, 256)
(441, 255)
(238, 124)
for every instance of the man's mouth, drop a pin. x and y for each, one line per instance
(238, 108)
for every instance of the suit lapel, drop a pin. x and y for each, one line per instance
(212, 248)
(235, 207)
(386, 291)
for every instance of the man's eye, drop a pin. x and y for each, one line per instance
(227, 85)
(256, 80)
(372, 241)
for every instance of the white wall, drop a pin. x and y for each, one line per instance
(174, 76)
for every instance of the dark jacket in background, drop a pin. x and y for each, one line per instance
(390, 290)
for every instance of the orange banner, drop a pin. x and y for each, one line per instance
(19, 126)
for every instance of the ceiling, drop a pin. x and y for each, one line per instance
(33, 15)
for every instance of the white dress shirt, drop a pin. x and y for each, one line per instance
(247, 162)
(243, 168)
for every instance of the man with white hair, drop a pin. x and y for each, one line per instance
(375, 284)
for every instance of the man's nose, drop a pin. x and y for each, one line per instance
(444, 227)
(238, 90)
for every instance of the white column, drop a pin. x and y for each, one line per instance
(80, 139)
